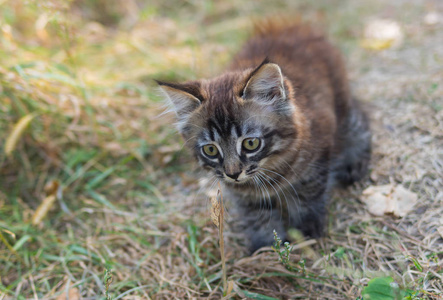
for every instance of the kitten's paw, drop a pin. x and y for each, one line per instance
(262, 234)
(258, 241)
(313, 230)
(312, 225)
(352, 172)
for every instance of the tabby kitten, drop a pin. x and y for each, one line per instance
(279, 128)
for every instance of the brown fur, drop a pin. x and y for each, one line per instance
(318, 76)
(289, 82)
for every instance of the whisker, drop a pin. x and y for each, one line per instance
(269, 198)
(286, 199)
(184, 144)
(290, 184)
(205, 186)
(266, 177)
(278, 195)
(261, 194)
(255, 188)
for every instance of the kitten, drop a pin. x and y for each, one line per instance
(279, 128)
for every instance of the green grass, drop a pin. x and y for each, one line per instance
(127, 207)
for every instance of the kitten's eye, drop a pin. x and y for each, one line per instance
(210, 150)
(251, 144)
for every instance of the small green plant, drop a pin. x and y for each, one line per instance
(383, 288)
(107, 280)
(284, 256)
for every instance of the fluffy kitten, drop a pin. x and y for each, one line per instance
(279, 128)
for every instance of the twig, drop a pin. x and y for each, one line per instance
(217, 216)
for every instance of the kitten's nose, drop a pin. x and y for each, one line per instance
(233, 176)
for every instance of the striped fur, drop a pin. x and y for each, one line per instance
(286, 93)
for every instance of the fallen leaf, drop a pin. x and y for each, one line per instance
(40, 29)
(230, 287)
(374, 44)
(389, 199)
(381, 34)
(42, 209)
(433, 18)
(52, 189)
(16, 133)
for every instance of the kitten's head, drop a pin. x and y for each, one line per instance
(236, 123)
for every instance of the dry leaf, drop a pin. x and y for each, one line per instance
(389, 199)
(7, 32)
(40, 27)
(433, 18)
(16, 133)
(374, 44)
(230, 287)
(43, 209)
(52, 188)
(381, 34)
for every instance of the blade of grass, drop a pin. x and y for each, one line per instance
(16, 133)
(251, 295)
(99, 178)
(4, 241)
(101, 199)
(21, 242)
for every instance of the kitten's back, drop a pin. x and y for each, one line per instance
(317, 72)
(308, 60)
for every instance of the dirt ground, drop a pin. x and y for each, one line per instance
(130, 202)
(403, 91)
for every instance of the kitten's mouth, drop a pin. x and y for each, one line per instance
(236, 181)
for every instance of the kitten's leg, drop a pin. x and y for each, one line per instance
(309, 215)
(258, 222)
(352, 163)
(312, 221)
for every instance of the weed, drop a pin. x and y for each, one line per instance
(107, 281)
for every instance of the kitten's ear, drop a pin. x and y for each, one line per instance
(265, 84)
(183, 99)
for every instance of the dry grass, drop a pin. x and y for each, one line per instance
(130, 220)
